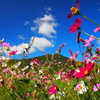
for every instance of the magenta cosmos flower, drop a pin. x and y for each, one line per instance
(75, 10)
(97, 29)
(13, 53)
(84, 71)
(53, 89)
(35, 61)
(4, 44)
(71, 73)
(76, 26)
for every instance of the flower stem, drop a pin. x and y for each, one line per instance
(89, 19)
(90, 35)
(9, 93)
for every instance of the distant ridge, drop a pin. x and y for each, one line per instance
(58, 57)
(43, 59)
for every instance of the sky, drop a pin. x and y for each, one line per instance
(46, 20)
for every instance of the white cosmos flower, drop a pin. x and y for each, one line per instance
(80, 88)
(26, 67)
(17, 64)
(24, 45)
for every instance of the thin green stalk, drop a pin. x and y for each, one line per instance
(89, 95)
(89, 19)
(80, 51)
(90, 35)
(9, 93)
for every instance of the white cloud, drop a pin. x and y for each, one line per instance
(49, 8)
(46, 25)
(46, 29)
(21, 37)
(42, 43)
(47, 18)
(38, 44)
(26, 23)
(33, 28)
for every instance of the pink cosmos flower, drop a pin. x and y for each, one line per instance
(96, 87)
(95, 57)
(97, 29)
(84, 71)
(89, 41)
(27, 95)
(75, 10)
(73, 57)
(89, 78)
(12, 53)
(35, 61)
(5, 70)
(97, 50)
(76, 26)
(53, 89)
(4, 44)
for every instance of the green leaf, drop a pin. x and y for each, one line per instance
(71, 86)
(32, 81)
(99, 66)
(60, 84)
(25, 80)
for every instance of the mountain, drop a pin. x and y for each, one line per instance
(58, 57)
(44, 58)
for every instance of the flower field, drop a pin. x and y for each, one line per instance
(51, 79)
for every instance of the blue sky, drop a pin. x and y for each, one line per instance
(20, 20)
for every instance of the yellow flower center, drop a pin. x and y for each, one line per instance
(80, 87)
(32, 66)
(86, 72)
(55, 88)
(73, 9)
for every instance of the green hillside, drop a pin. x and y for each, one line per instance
(57, 57)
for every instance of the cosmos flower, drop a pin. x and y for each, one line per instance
(71, 73)
(96, 87)
(24, 45)
(17, 64)
(80, 88)
(73, 57)
(97, 29)
(75, 10)
(5, 44)
(97, 50)
(5, 70)
(84, 71)
(34, 61)
(89, 41)
(12, 53)
(75, 27)
(53, 89)
(26, 67)
(1, 40)
(27, 95)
